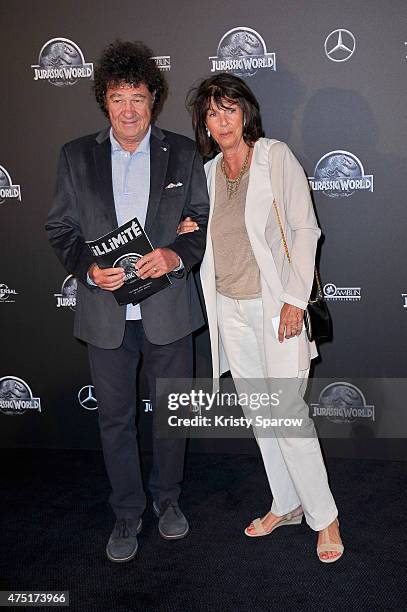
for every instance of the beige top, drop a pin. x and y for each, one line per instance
(236, 272)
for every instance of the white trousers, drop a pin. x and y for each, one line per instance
(294, 465)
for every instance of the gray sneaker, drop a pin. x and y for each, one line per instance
(172, 523)
(122, 545)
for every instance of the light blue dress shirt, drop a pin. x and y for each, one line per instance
(131, 189)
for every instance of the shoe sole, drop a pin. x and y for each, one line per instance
(173, 537)
(133, 554)
(165, 536)
(125, 560)
(296, 520)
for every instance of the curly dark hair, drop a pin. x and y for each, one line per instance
(128, 63)
(221, 89)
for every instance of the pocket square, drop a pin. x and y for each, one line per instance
(172, 185)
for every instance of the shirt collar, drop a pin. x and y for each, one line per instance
(143, 148)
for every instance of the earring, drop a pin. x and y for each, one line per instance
(244, 122)
(208, 132)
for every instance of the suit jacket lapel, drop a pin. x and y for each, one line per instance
(103, 162)
(159, 155)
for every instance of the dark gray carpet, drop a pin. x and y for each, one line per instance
(55, 524)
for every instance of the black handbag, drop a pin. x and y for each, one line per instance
(317, 320)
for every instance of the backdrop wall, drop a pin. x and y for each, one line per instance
(331, 81)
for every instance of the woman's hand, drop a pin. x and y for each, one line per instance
(186, 226)
(291, 322)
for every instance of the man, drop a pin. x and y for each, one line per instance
(133, 169)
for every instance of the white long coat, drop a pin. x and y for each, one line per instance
(272, 175)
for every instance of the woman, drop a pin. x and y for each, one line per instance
(258, 192)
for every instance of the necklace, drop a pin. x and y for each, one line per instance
(232, 185)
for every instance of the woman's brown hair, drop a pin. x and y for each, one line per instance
(219, 90)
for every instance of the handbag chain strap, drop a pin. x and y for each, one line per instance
(284, 241)
(320, 293)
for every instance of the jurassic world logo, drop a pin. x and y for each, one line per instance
(128, 263)
(342, 402)
(67, 297)
(16, 397)
(243, 52)
(147, 404)
(339, 174)
(8, 191)
(61, 63)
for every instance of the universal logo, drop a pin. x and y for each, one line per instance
(342, 402)
(340, 45)
(243, 52)
(87, 397)
(61, 63)
(163, 62)
(6, 294)
(8, 191)
(344, 294)
(67, 297)
(339, 174)
(16, 397)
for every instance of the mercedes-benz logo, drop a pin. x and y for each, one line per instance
(340, 45)
(87, 398)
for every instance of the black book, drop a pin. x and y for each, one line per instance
(123, 247)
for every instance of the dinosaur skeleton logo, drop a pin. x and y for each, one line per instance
(339, 174)
(61, 63)
(243, 52)
(67, 297)
(8, 191)
(342, 402)
(16, 397)
(128, 262)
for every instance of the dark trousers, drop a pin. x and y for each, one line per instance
(114, 377)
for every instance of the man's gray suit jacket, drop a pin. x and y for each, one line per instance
(83, 209)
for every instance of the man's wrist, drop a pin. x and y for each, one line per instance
(179, 271)
(89, 275)
(180, 265)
